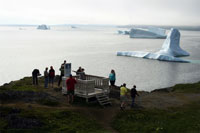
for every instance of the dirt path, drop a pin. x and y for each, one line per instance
(103, 116)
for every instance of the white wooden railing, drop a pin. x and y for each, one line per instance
(88, 86)
(100, 82)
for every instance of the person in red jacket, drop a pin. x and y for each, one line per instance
(51, 76)
(70, 83)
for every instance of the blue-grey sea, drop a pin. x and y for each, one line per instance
(94, 48)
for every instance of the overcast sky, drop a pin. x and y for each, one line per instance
(120, 12)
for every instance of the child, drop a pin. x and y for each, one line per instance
(133, 95)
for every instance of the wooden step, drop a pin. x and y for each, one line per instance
(103, 99)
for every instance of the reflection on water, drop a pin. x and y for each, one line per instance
(95, 50)
(195, 61)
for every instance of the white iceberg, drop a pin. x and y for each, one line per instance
(158, 31)
(43, 27)
(171, 45)
(169, 51)
(151, 32)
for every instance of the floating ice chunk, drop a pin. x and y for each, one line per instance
(151, 32)
(125, 32)
(169, 51)
(148, 55)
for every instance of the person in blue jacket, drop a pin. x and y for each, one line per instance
(112, 77)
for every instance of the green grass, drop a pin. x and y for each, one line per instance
(182, 119)
(24, 84)
(187, 88)
(48, 102)
(53, 120)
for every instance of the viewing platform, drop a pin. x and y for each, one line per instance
(93, 86)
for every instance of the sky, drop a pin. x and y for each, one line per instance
(116, 12)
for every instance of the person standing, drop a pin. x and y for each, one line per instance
(78, 71)
(123, 96)
(112, 77)
(46, 77)
(82, 74)
(62, 69)
(51, 76)
(70, 83)
(133, 95)
(35, 75)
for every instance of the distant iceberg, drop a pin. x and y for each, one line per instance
(43, 27)
(151, 32)
(73, 26)
(125, 32)
(169, 52)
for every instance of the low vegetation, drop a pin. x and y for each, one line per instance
(24, 84)
(45, 120)
(48, 102)
(181, 119)
(187, 88)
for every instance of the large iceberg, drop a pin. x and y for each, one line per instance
(170, 50)
(171, 45)
(151, 32)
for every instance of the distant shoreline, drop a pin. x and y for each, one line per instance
(168, 27)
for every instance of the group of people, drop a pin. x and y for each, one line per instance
(49, 75)
(123, 91)
(81, 73)
(70, 83)
(123, 96)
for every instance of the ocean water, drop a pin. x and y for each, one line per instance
(94, 48)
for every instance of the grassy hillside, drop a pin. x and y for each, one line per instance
(45, 120)
(28, 108)
(173, 120)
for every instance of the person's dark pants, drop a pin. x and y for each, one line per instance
(35, 80)
(46, 81)
(51, 80)
(60, 79)
(112, 82)
(133, 102)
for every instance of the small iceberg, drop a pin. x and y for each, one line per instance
(73, 26)
(123, 32)
(43, 27)
(151, 32)
(170, 50)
